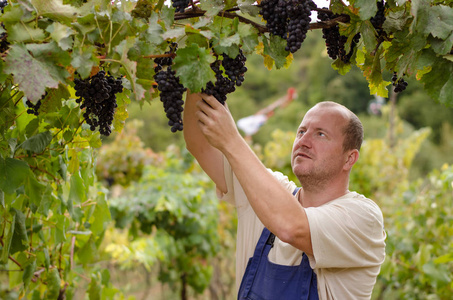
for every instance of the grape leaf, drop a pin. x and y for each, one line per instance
(56, 10)
(341, 67)
(167, 15)
(101, 216)
(28, 272)
(396, 20)
(32, 76)
(19, 241)
(438, 82)
(440, 23)
(119, 119)
(46, 201)
(154, 31)
(275, 48)
(84, 59)
(53, 100)
(53, 283)
(174, 33)
(87, 252)
(248, 7)
(192, 65)
(20, 32)
(212, 7)
(8, 231)
(371, 68)
(420, 10)
(441, 47)
(13, 174)
(249, 37)
(130, 67)
(38, 143)
(61, 34)
(34, 190)
(229, 45)
(77, 195)
(367, 8)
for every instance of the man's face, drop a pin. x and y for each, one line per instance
(317, 154)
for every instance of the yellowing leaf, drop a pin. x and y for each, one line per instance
(289, 60)
(268, 61)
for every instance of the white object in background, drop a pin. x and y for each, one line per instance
(251, 124)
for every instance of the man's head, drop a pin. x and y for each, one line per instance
(327, 144)
(352, 130)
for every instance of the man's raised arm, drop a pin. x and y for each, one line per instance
(209, 158)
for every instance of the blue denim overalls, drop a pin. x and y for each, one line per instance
(264, 280)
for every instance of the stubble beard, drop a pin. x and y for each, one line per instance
(314, 179)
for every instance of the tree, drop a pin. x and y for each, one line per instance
(53, 212)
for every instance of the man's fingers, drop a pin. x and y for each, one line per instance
(202, 117)
(210, 100)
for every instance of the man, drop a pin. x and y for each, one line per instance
(326, 236)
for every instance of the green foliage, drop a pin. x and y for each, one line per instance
(419, 223)
(384, 168)
(123, 160)
(174, 206)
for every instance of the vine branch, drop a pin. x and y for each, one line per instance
(261, 28)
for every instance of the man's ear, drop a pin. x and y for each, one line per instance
(353, 156)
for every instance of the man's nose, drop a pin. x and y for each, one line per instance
(304, 140)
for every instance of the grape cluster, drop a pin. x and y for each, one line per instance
(289, 19)
(171, 90)
(3, 3)
(234, 71)
(180, 5)
(4, 45)
(399, 84)
(97, 96)
(33, 108)
(274, 13)
(142, 9)
(378, 20)
(335, 41)
(299, 22)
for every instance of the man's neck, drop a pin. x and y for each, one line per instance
(313, 197)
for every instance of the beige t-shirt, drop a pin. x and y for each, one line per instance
(347, 236)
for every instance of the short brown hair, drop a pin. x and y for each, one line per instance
(353, 131)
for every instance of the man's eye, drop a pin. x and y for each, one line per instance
(321, 134)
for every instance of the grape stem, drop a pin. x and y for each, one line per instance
(172, 55)
(196, 12)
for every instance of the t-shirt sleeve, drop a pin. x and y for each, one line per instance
(347, 233)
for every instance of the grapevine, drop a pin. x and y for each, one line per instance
(97, 97)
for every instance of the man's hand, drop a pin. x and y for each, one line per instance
(216, 123)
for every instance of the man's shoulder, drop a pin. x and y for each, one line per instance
(356, 205)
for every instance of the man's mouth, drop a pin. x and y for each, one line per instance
(303, 155)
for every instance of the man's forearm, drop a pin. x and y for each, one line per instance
(277, 209)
